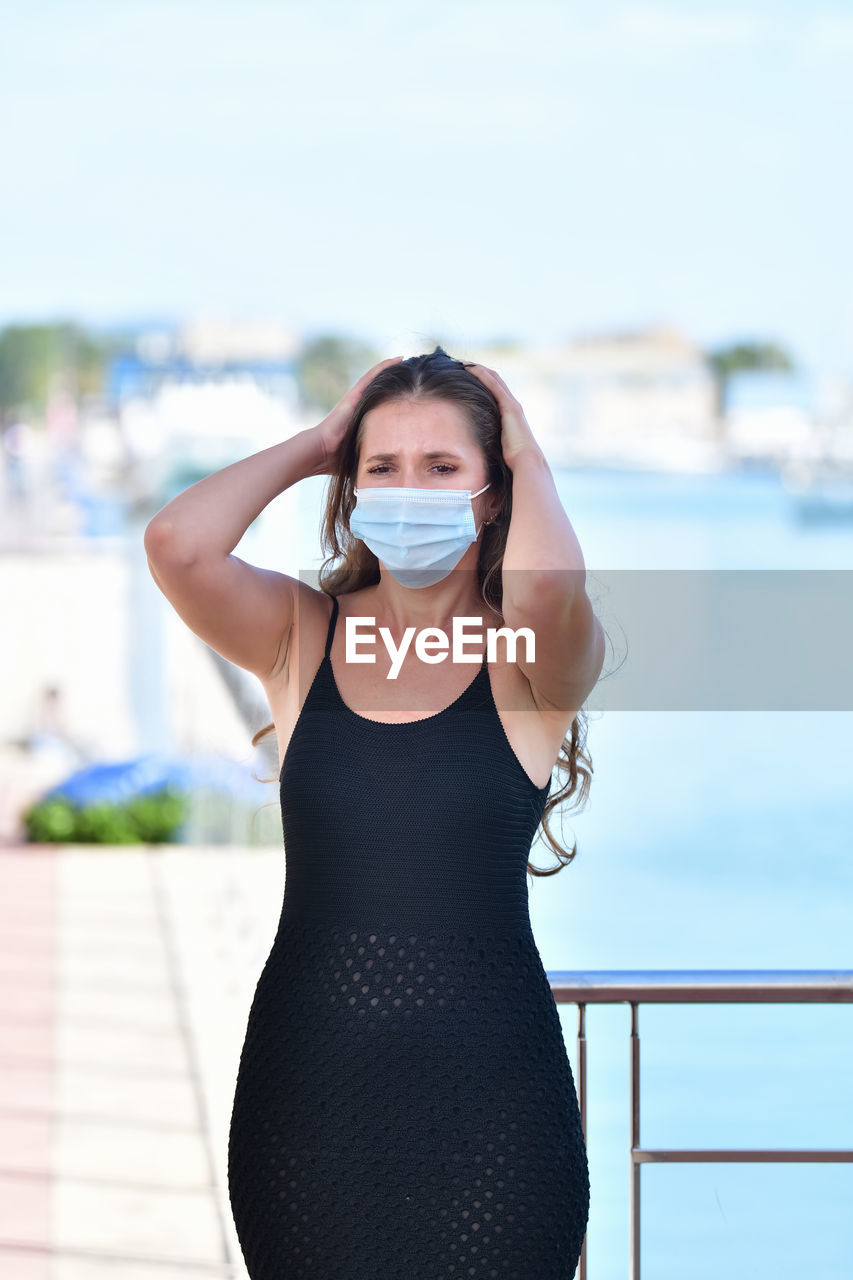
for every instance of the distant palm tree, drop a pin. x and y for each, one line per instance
(32, 355)
(728, 360)
(327, 366)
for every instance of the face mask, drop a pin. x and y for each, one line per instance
(418, 534)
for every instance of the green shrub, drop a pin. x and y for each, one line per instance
(157, 816)
(153, 818)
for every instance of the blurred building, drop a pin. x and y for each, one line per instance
(193, 400)
(208, 349)
(646, 398)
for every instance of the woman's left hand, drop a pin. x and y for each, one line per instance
(516, 436)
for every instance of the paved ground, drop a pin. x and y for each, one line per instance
(126, 977)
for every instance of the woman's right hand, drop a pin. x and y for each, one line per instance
(333, 428)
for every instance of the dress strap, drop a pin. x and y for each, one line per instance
(332, 620)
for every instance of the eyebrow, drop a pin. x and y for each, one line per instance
(434, 453)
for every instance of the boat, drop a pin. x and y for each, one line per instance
(820, 488)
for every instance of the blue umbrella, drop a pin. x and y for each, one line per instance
(122, 780)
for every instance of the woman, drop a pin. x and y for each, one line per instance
(404, 1106)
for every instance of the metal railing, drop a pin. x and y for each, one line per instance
(704, 986)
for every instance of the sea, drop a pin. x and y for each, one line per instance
(711, 839)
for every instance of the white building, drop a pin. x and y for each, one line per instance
(646, 398)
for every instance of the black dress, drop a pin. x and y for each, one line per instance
(405, 1107)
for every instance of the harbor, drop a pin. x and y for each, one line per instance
(690, 857)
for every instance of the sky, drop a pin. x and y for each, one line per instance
(465, 170)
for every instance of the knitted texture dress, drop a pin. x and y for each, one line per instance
(404, 1106)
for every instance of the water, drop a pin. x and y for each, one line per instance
(711, 840)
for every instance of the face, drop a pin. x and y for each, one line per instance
(424, 444)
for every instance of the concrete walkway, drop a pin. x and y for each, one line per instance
(126, 976)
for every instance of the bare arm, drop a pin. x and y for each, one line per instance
(243, 612)
(546, 590)
(544, 574)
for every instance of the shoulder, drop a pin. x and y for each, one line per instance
(311, 620)
(307, 636)
(514, 692)
(312, 604)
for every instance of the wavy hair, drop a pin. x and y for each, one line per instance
(350, 565)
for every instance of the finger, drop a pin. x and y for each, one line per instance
(489, 378)
(496, 377)
(371, 373)
(482, 368)
(492, 380)
(387, 360)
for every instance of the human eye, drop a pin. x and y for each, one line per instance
(378, 470)
(447, 467)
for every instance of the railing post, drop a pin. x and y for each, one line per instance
(690, 986)
(634, 1219)
(581, 1090)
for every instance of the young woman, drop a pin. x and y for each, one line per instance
(405, 1107)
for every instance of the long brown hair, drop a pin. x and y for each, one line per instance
(350, 565)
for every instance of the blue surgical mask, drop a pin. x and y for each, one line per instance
(420, 535)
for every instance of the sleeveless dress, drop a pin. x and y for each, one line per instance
(404, 1105)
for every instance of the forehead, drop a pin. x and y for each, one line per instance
(413, 424)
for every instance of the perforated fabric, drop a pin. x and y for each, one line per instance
(404, 1107)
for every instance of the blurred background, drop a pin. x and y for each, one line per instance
(214, 218)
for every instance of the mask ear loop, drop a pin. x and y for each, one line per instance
(485, 522)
